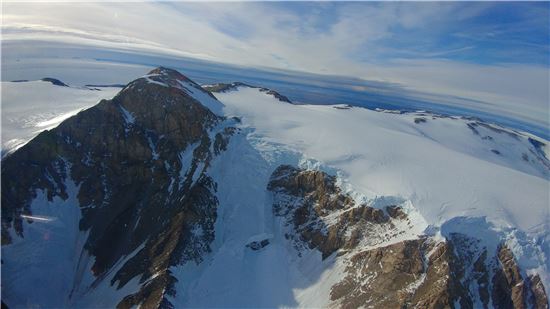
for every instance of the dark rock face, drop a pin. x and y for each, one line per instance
(380, 277)
(136, 189)
(223, 87)
(418, 120)
(105, 85)
(396, 212)
(277, 95)
(415, 273)
(538, 296)
(318, 196)
(257, 245)
(321, 216)
(511, 289)
(54, 81)
(343, 106)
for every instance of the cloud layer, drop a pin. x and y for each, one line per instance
(496, 53)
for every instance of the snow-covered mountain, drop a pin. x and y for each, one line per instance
(29, 107)
(176, 195)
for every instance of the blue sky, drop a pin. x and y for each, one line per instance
(478, 32)
(486, 33)
(353, 32)
(494, 52)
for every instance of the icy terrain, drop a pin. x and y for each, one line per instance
(440, 165)
(448, 177)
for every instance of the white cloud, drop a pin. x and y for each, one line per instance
(268, 35)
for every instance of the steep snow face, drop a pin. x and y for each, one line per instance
(51, 241)
(51, 257)
(29, 108)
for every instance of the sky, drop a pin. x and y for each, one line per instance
(495, 52)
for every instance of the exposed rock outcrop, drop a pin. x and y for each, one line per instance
(140, 162)
(54, 81)
(387, 272)
(511, 289)
(223, 87)
(326, 218)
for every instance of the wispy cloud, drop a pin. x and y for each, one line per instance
(495, 52)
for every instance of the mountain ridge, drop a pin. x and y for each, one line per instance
(152, 189)
(122, 143)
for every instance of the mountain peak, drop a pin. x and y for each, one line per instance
(171, 83)
(168, 73)
(133, 173)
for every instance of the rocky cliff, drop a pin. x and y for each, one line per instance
(140, 162)
(383, 269)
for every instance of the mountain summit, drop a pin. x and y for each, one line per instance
(135, 166)
(158, 199)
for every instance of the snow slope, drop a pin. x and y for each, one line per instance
(440, 167)
(445, 176)
(437, 165)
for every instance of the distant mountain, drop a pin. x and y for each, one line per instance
(222, 87)
(166, 196)
(54, 81)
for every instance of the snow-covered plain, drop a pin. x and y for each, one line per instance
(31, 107)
